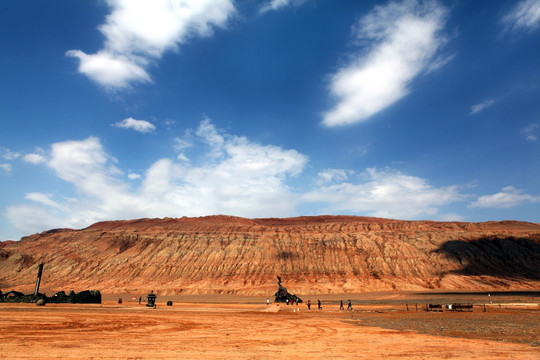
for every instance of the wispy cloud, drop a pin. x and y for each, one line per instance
(139, 32)
(229, 175)
(44, 199)
(524, 15)
(142, 126)
(451, 217)
(235, 176)
(530, 132)
(34, 158)
(404, 39)
(333, 175)
(508, 197)
(279, 4)
(384, 193)
(6, 167)
(7, 154)
(475, 109)
(180, 145)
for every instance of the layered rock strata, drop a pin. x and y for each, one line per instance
(325, 254)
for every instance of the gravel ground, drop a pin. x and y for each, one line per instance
(516, 326)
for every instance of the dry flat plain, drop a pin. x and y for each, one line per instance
(234, 327)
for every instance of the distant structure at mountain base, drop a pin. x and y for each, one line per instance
(283, 296)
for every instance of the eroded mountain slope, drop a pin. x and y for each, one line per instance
(326, 254)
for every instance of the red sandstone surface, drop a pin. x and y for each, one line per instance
(314, 255)
(249, 330)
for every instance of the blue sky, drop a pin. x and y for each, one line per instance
(127, 109)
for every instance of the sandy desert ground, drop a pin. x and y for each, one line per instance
(235, 327)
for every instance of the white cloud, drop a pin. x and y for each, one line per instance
(8, 154)
(405, 37)
(530, 132)
(44, 199)
(475, 109)
(274, 5)
(182, 157)
(450, 217)
(507, 198)
(333, 175)
(230, 175)
(34, 158)
(385, 193)
(6, 167)
(211, 136)
(279, 4)
(235, 176)
(140, 31)
(142, 126)
(182, 144)
(110, 70)
(525, 15)
(169, 123)
(86, 165)
(29, 219)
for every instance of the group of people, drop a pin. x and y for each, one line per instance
(349, 307)
(319, 306)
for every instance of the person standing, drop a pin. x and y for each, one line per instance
(267, 301)
(319, 304)
(309, 304)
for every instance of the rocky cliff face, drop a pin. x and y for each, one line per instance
(327, 254)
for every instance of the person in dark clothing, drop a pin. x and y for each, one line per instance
(341, 305)
(349, 307)
(319, 304)
(309, 304)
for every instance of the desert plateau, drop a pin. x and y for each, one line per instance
(238, 327)
(218, 272)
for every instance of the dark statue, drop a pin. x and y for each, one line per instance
(283, 296)
(84, 297)
(151, 299)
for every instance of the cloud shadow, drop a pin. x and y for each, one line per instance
(506, 257)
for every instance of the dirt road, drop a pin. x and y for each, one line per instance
(253, 331)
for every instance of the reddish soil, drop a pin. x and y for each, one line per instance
(221, 327)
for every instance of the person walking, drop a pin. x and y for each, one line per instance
(309, 304)
(349, 307)
(267, 301)
(341, 305)
(319, 304)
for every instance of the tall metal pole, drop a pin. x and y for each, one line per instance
(40, 270)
